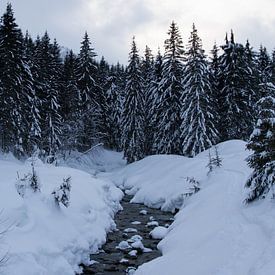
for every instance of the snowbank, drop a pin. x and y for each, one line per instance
(43, 238)
(214, 233)
(95, 161)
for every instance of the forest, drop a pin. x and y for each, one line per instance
(181, 101)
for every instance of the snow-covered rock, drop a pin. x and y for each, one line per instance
(159, 232)
(123, 245)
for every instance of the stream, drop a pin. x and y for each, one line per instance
(130, 245)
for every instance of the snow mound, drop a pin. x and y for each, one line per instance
(46, 238)
(159, 232)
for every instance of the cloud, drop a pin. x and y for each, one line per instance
(112, 23)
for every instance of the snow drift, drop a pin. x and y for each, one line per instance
(43, 238)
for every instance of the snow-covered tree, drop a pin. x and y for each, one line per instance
(87, 72)
(262, 142)
(155, 94)
(147, 66)
(48, 89)
(133, 138)
(62, 193)
(198, 127)
(236, 91)
(167, 139)
(70, 104)
(16, 87)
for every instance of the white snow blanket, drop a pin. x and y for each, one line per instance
(42, 238)
(214, 233)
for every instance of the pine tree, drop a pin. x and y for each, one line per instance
(133, 138)
(262, 142)
(198, 129)
(167, 139)
(236, 91)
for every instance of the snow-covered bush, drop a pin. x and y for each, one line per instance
(62, 193)
(29, 181)
(215, 161)
(195, 186)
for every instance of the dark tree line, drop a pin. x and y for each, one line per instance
(181, 102)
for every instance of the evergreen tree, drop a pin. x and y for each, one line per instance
(236, 91)
(262, 142)
(263, 65)
(88, 89)
(214, 68)
(147, 66)
(48, 85)
(167, 139)
(198, 129)
(155, 93)
(16, 86)
(113, 110)
(70, 103)
(273, 67)
(133, 138)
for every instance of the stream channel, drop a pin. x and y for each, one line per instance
(130, 245)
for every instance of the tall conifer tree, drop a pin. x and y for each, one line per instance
(262, 142)
(198, 128)
(133, 138)
(167, 139)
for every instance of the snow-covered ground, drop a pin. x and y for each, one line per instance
(214, 232)
(44, 239)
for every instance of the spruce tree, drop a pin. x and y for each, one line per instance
(48, 88)
(236, 91)
(33, 132)
(155, 94)
(70, 104)
(262, 142)
(89, 106)
(198, 128)
(113, 110)
(16, 85)
(147, 66)
(133, 138)
(167, 139)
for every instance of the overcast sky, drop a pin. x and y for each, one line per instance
(112, 23)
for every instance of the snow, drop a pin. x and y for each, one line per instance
(123, 245)
(214, 232)
(136, 222)
(152, 224)
(143, 212)
(159, 232)
(49, 239)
